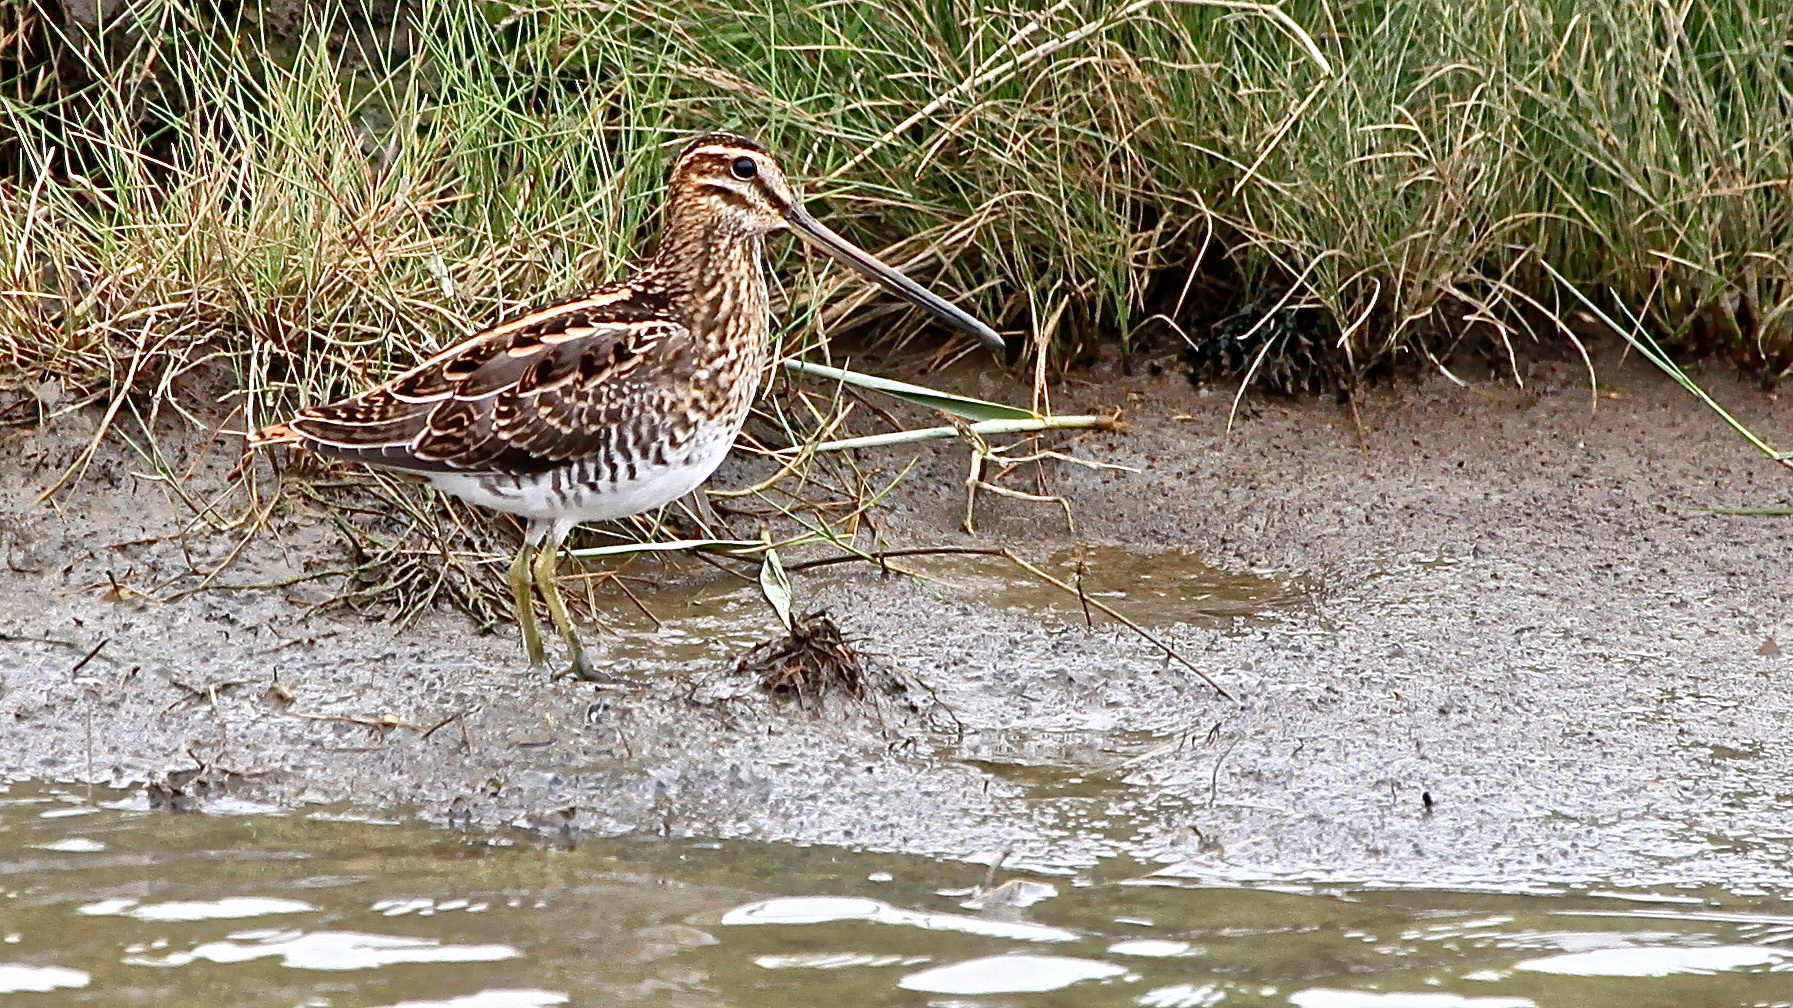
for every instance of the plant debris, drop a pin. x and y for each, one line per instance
(816, 662)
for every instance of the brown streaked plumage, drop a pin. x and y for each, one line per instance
(612, 403)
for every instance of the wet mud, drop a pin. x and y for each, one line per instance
(1498, 645)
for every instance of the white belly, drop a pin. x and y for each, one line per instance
(576, 493)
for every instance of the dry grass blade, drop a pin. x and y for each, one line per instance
(775, 586)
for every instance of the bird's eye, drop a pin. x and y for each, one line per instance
(744, 168)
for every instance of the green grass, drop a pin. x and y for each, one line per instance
(304, 207)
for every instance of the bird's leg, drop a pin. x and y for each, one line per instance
(547, 581)
(521, 585)
(696, 505)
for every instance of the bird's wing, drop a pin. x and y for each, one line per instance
(523, 396)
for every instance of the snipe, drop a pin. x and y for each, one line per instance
(612, 403)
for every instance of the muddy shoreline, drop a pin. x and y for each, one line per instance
(1519, 655)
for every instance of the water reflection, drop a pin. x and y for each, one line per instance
(494, 999)
(195, 910)
(1654, 962)
(1011, 974)
(825, 910)
(38, 979)
(207, 911)
(707, 620)
(328, 950)
(1157, 588)
(1320, 997)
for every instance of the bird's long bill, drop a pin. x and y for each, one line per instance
(820, 235)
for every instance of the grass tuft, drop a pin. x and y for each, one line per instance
(315, 194)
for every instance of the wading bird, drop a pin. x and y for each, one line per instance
(612, 403)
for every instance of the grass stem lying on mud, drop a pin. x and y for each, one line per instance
(936, 433)
(945, 402)
(992, 418)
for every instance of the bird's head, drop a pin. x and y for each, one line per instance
(723, 177)
(735, 179)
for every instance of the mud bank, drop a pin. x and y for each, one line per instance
(1517, 654)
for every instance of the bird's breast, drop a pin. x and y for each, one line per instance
(601, 487)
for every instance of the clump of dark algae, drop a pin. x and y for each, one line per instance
(814, 665)
(1284, 349)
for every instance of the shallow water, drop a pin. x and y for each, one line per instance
(708, 618)
(106, 902)
(1153, 588)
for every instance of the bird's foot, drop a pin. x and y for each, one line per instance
(581, 669)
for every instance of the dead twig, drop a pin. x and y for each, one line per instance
(972, 550)
(89, 656)
(382, 722)
(1169, 651)
(456, 716)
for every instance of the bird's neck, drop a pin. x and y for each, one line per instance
(714, 269)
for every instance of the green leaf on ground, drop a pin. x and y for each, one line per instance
(775, 584)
